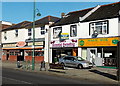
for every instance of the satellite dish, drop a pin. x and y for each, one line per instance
(95, 34)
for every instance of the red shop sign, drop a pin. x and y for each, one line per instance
(21, 43)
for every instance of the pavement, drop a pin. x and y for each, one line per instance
(100, 75)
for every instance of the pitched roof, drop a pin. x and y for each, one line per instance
(72, 17)
(18, 26)
(105, 12)
(43, 21)
(4, 26)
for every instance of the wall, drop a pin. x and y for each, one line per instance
(22, 35)
(46, 49)
(3, 57)
(37, 58)
(38, 33)
(66, 29)
(12, 58)
(113, 28)
(119, 26)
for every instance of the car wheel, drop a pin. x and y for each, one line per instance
(80, 66)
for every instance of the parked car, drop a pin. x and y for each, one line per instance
(75, 61)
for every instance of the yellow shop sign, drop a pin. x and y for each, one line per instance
(92, 42)
(64, 36)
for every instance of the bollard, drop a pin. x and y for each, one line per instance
(28, 65)
(42, 68)
(18, 64)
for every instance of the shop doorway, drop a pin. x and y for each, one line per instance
(20, 56)
(7, 55)
(109, 56)
(58, 53)
(93, 57)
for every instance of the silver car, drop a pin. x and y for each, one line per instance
(75, 61)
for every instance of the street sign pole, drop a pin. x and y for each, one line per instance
(118, 61)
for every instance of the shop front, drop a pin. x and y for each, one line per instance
(66, 47)
(23, 51)
(100, 51)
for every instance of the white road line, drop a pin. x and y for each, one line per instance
(17, 80)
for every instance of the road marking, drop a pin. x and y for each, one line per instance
(17, 80)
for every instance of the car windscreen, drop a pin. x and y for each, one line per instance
(80, 59)
(68, 58)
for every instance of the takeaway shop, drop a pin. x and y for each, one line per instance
(100, 51)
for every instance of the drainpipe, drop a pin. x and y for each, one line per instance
(102, 56)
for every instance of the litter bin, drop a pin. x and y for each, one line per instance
(42, 66)
(18, 64)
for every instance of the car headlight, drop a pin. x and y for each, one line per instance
(85, 64)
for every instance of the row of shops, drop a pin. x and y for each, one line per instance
(23, 51)
(99, 51)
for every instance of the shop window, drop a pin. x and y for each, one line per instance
(16, 53)
(29, 32)
(57, 32)
(11, 53)
(41, 53)
(73, 30)
(101, 27)
(29, 53)
(4, 53)
(16, 33)
(37, 53)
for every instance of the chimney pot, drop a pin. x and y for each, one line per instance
(62, 15)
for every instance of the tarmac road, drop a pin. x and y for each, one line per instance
(12, 76)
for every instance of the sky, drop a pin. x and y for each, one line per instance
(16, 12)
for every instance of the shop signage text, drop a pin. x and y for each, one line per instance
(63, 45)
(36, 43)
(98, 42)
(21, 44)
(9, 45)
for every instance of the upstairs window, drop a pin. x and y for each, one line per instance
(5, 35)
(16, 33)
(29, 32)
(101, 27)
(42, 31)
(57, 32)
(73, 30)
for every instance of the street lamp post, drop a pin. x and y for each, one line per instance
(34, 14)
(33, 53)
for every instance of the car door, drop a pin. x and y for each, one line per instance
(67, 61)
(73, 62)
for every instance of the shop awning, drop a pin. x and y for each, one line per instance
(22, 48)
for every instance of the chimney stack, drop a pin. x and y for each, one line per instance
(62, 15)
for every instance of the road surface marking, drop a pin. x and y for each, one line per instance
(17, 80)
